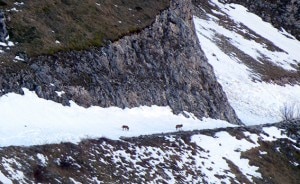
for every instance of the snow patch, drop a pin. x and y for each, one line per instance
(4, 179)
(274, 133)
(18, 58)
(41, 121)
(42, 158)
(14, 174)
(263, 152)
(224, 147)
(59, 93)
(74, 181)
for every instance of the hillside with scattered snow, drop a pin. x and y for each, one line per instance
(241, 47)
(267, 154)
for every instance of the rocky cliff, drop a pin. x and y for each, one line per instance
(160, 65)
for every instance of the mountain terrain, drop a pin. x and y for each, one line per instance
(133, 71)
(73, 73)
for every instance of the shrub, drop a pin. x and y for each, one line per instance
(290, 111)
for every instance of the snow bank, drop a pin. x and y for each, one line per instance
(30, 120)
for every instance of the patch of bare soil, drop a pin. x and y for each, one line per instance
(276, 161)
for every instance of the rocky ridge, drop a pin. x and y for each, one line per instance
(161, 65)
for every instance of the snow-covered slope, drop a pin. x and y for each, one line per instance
(242, 48)
(30, 120)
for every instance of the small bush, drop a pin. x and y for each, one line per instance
(40, 174)
(290, 112)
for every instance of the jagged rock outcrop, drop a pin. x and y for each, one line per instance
(161, 65)
(3, 30)
(281, 13)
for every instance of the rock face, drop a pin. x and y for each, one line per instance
(161, 65)
(281, 13)
(3, 30)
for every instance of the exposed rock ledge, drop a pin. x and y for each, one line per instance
(161, 65)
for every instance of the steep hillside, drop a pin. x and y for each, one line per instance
(269, 154)
(282, 14)
(256, 64)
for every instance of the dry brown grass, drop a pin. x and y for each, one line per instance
(77, 24)
(275, 166)
(236, 171)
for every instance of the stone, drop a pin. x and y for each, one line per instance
(3, 30)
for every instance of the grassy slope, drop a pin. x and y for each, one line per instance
(76, 24)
